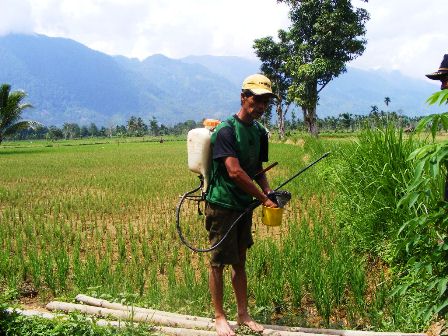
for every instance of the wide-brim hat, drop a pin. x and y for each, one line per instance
(443, 70)
(259, 85)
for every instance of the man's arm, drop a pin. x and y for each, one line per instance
(242, 180)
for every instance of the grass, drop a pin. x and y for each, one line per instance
(99, 220)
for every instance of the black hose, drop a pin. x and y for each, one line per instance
(302, 170)
(179, 230)
(251, 207)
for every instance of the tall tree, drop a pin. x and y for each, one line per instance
(374, 109)
(273, 64)
(84, 132)
(136, 126)
(346, 120)
(54, 133)
(154, 126)
(324, 35)
(71, 130)
(11, 109)
(293, 120)
(93, 129)
(387, 101)
(132, 126)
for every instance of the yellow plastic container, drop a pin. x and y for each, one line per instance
(271, 216)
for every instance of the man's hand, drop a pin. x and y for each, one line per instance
(269, 204)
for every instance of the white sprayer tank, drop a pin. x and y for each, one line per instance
(199, 149)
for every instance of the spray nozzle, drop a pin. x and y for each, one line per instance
(280, 197)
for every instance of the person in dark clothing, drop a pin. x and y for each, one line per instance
(442, 75)
(239, 146)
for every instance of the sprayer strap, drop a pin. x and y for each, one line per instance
(214, 171)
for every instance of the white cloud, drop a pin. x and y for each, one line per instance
(139, 28)
(407, 35)
(15, 17)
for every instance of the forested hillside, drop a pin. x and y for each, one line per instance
(68, 82)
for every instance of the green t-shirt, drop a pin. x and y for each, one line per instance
(248, 143)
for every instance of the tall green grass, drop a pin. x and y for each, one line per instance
(372, 175)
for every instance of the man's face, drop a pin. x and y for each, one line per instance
(254, 105)
(444, 81)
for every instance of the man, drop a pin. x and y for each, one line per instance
(442, 73)
(240, 145)
(442, 76)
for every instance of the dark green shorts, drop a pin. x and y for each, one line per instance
(218, 221)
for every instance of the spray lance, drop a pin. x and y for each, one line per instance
(199, 157)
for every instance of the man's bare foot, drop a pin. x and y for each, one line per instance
(249, 322)
(223, 327)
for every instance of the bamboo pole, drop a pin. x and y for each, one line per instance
(158, 319)
(170, 321)
(178, 326)
(339, 332)
(104, 303)
(91, 301)
(269, 330)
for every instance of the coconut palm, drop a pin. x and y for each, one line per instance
(11, 108)
(374, 111)
(387, 101)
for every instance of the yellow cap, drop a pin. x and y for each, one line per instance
(258, 85)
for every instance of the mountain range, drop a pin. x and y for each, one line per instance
(69, 82)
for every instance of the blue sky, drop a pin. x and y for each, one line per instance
(405, 35)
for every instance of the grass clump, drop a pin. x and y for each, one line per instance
(75, 325)
(372, 175)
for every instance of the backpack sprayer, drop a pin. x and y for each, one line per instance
(199, 161)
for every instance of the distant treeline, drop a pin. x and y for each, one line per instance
(135, 126)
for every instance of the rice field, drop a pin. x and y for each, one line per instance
(99, 219)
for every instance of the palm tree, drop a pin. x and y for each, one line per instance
(346, 120)
(11, 108)
(387, 101)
